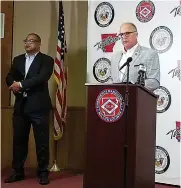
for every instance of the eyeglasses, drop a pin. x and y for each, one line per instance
(126, 34)
(29, 41)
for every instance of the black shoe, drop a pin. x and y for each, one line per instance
(14, 178)
(43, 177)
(43, 180)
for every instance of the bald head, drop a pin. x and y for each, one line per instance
(131, 25)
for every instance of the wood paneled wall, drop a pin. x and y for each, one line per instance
(70, 148)
(6, 49)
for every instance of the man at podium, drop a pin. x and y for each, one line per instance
(135, 55)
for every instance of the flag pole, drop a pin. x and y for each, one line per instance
(61, 80)
(55, 167)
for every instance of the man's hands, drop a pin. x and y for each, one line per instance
(15, 87)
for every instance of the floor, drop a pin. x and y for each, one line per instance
(57, 180)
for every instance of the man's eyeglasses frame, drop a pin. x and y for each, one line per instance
(126, 34)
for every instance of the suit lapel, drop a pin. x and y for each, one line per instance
(119, 60)
(134, 57)
(23, 65)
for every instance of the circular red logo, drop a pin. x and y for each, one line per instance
(110, 105)
(145, 11)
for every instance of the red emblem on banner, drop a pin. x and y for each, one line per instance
(107, 43)
(109, 105)
(178, 130)
(145, 11)
(175, 133)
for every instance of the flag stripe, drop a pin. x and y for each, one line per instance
(57, 75)
(58, 49)
(57, 62)
(59, 98)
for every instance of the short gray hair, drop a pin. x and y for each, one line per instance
(132, 24)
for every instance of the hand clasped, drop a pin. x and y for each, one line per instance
(15, 87)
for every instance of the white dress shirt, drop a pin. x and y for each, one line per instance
(124, 58)
(29, 60)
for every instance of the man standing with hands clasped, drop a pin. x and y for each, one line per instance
(139, 54)
(28, 79)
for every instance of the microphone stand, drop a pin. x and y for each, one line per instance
(126, 127)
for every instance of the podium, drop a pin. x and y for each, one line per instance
(109, 134)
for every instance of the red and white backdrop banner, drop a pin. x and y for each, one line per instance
(158, 24)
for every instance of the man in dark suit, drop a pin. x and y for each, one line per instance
(28, 79)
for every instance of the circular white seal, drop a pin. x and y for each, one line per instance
(102, 70)
(145, 11)
(104, 14)
(161, 39)
(162, 160)
(164, 100)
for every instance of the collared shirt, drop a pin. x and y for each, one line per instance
(29, 60)
(124, 58)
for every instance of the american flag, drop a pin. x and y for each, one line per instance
(60, 75)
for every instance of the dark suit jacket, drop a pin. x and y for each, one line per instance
(35, 84)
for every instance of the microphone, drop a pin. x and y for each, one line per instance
(126, 63)
(142, 74)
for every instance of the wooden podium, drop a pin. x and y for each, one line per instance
(108, 163)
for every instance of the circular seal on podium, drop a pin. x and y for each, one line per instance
(109, 105)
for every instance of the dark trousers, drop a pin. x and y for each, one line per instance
(21, 129)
